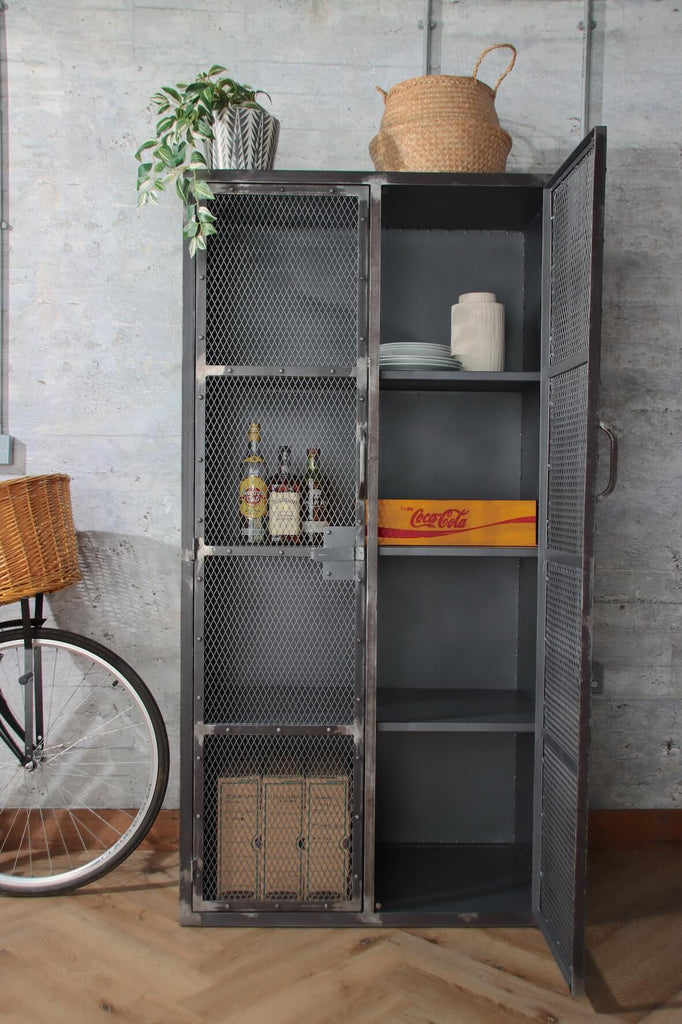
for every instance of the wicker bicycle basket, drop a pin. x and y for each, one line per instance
(37, 537)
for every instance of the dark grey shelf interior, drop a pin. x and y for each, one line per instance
(455, 380)
(406, 709)
(442, 878)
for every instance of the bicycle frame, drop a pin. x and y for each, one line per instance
(31, 735)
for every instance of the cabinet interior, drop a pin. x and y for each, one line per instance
(436, 245)
(456, 628)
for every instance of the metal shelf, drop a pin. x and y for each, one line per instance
(453, 710)
(477, 878)
(455, 380)
(454, 551)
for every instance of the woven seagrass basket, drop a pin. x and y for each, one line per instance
(37, 537)
(443, 123)
(464, 146)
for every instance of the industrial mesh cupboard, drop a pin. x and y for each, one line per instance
(372, 734)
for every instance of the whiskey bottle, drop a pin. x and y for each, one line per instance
(284, 499)
(253, 492)
(314, 513)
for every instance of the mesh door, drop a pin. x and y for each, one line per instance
(279, 642)
(279, 820)
(298, 412)
(282, 279)
(570, 381)
(571, 284)
(557, 892)
(567, 454)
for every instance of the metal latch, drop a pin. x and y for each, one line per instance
(339, 553)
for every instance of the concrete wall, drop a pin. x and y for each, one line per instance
(93, 288)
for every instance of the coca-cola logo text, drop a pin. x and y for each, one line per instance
(449, 519)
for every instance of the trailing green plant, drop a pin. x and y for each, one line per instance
(184, 126)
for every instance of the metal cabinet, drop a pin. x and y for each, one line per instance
(377, 735)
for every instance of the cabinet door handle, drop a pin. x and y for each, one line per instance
(613, 460)
(363, 464)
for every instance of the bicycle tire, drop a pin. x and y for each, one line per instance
(94, 701)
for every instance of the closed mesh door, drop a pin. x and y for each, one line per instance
(279, 582)
(282, 279)
(279, 642)
(573, 214)
(278, 828)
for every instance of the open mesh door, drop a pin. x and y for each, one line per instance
(574, 206)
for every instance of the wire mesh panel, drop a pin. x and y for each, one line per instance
(301, 413)
(279, 820)
(279, 643)
(567, 459)
(558, 867)
(570, 379)
(571, 261)
(563, 655)
(282, 279)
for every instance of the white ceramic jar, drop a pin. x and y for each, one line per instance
(477, 334)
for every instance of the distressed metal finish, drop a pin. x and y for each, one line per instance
(570, 376)
(279, 339)
(268, 707)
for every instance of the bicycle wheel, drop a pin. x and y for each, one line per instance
(97, 780)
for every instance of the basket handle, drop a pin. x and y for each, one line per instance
(496, 46)
(382, 92)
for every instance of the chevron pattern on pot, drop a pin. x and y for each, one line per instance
(245, 139)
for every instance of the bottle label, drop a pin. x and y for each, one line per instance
(253, 497)
(285, 514)
(316, 519)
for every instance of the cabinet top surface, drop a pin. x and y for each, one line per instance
(377, 178)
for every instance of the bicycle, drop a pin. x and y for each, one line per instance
(84, 754)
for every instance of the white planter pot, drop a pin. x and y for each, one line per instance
(245, 139)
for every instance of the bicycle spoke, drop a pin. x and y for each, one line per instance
(94, 732)
(10, 830)
(61, 836)
(47, 840)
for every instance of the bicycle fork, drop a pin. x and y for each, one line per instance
(32, 734)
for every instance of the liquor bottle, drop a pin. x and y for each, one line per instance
(314, 512)
(284, 499)
(253, 492)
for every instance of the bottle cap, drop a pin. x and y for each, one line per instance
(254, 432)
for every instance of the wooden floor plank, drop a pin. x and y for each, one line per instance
(117, 948)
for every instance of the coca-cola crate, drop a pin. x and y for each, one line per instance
(469, 523)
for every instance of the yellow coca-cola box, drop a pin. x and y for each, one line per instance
(471, 523)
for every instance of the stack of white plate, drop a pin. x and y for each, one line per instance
(422, 355)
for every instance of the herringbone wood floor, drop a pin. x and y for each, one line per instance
(116, 948)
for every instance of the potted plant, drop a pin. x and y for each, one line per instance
(214, 122)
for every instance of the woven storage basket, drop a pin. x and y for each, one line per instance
(452, 120)
(37, 537)
(463, 145)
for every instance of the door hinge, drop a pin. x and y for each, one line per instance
(338, 553)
